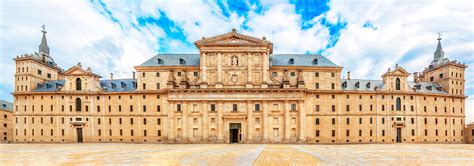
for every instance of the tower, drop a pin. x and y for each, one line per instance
(35, 68)
(447, 73)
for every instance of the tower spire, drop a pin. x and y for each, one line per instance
(439, 53)
(43, 47)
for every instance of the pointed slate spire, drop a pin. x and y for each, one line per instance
(43, 47)
(439, 53)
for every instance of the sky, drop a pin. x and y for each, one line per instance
(365, 37)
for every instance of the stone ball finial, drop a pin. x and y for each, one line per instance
(79, 64)
(234, 30)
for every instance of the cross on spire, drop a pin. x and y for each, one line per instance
(439, 35)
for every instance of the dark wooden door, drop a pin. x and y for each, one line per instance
(79, 135)
(399, 135)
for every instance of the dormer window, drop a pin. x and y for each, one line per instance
(315, 61)
(344, 85)
(418, 87)
(367, 85)
(160, 61)
(182, 61)
(291, 61)
(357, 84)
(429, 87)
(113, 85)
(48, 86)
(123, 84)
(39, 85)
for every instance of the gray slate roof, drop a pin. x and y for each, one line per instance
(300, 60)
(5, 105)
(370, 85)
(173, 60)
(364, 85)
(118, 85)
(49, 86)
(275, 60)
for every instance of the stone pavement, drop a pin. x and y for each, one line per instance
(235, 154)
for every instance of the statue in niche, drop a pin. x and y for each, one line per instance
(235, 61)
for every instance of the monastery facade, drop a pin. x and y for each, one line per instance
(235, 90)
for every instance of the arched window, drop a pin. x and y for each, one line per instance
(78, 84)
(399, 104)
(315, 61)
(291, 61)
(78, 104)
(397, 84)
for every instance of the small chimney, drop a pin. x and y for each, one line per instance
(349, 75)
(111, 76)
(133, 74)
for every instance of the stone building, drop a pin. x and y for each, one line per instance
(235, 90)
(6, 121)
(470, 133)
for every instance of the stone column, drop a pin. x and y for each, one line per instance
(220, 122)
(249, 121)
(184, 110)
(219, 70)
(171, 121)
(205, 121)
(265, 68)
(302, 114)
(286, 110)
(204, 67)
(249, 70)
(266, 124)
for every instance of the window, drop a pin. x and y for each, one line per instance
(157, 85)
(347, 108)
(78, 104)
(234, 107)
(316, 85)
(397, 84)
(274, 74)
(333, 86)
(182, 61)
(158, 108)
(348, 120)
(49, 75)
(39, 72)
(333, 121)
(431, 79)
(157, 74)
(441, 75)
(144, 86)
(333, 133)
(257, 107)
(160, 61)
(315, 61)
(213, 107)
(317, 133)
(333, 74)
(291, 61)
(317, 121)
(144, 108)
(195, 74)
(316, 74)
(317, 108)
(293, 74)
(178, 107)
(399, 104)
(78, 84)
(158, 121)
(333, 108)
(383, 120)
(293, 107)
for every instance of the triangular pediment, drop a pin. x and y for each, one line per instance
(398, 71)
(233, 39)
(78, 71)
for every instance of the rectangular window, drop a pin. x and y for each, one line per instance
(383, 132)
(49, 75)
(144, 121)
(333, 121)
(158, 108)
(131, 108)
(144, 108)
(213, 107)
(98, 108)
(317, 121)
(316, 85)
(234, 107)
(333, 108)
(39, 72)
(159, 133)
(383, 120)
(347, 120)
(157, 74)
(178, 107)
(370, 120)
(333, 133)
(347, 108)
(317, 133)
(317, 108)
(293, 107)
(412, 132)
(257, 107)
(333, 86)
(144, 133)
(158, 121)
(144, 85)
(333, 74)
(157, 85)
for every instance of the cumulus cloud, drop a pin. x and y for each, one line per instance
(365, 37)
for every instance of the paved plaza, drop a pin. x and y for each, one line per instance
(235, 154)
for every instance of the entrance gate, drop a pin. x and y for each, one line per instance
(235, 135)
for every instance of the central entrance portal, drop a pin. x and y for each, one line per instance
(234, 132)
(399, 135)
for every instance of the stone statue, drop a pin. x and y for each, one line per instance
(235, 61)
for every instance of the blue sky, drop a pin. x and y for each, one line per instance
(365, 37)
